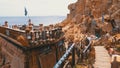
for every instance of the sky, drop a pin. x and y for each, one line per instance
(35, 7)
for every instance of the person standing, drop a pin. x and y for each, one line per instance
(113, 23)
(115, 63)
(30, 24)
(6, 24)
(93, 25)
(102, 18)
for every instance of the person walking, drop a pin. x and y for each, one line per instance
(115, 63)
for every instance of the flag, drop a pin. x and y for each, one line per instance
(26, 11)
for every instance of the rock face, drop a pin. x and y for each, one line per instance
(84, 12)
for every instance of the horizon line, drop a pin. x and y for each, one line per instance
(33, 16)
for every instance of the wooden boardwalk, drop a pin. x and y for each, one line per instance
(102, 58)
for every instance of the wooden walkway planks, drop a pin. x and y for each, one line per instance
(102, 58)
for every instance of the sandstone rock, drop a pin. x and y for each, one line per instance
(79, 19)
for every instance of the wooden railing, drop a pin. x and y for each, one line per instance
(13, 33)
(33, 37)
(58, 64)
(61, 64)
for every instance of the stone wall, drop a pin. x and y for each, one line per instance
(14, 57)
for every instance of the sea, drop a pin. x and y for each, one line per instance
(36, 20)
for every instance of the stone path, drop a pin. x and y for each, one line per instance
(102, 58)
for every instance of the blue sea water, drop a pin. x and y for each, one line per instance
(36, 20)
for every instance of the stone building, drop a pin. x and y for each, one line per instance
(15, 54)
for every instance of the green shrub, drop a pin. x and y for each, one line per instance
(118, 49)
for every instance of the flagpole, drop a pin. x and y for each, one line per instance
(26, 10)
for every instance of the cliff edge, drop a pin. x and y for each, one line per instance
(88, 17)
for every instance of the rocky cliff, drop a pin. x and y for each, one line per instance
(83, 14)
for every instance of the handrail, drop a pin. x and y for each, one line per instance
(87, 47)
(38, 35)
(12, 42)
(57, 65)
(13, 29)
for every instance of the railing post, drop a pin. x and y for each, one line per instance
(56, 54)
(35, 33)
(40, 35)
(81, 57)
(73, 57)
